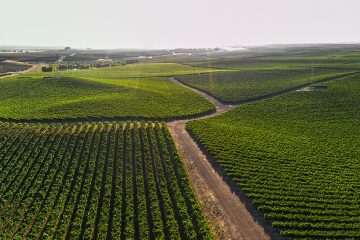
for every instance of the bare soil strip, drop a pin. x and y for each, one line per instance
(230, 213)
(220, 107)
(227, 214)
(225, 211)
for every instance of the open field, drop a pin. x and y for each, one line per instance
(100, 181)
(296, 157)
(236, 86)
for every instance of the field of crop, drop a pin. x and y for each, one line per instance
(236, 86)
(101, 93)
(10, 67)
(296, 157)
(72, 168)
(137, 71)
(95, 181)
(293, 59)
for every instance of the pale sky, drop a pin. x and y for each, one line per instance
(176, 23)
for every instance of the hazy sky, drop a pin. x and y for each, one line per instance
(176, 23)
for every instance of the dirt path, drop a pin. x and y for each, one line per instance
(220, 107)
(231, 216)
(228, 213)
(224, 209)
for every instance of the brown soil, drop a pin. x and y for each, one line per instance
(228, 216)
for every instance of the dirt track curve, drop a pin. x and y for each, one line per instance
(223, 208)
(232, 214)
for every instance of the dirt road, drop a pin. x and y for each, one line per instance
(228, 213)
(220, 107)
(224, 209)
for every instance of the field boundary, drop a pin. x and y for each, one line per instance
(256, 214)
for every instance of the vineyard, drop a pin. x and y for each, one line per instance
(237, 86)
(296, 157)
(136, 71)
(12, 67)
(95, 181)
(87, 154)
(30, 97)
(302, 58)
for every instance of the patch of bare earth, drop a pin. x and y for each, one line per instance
(228, 216)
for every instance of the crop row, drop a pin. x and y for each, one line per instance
(95, 181)
(296, 157)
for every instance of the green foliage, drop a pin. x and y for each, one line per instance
(72, 66)
(282, 60)
(99, 181)
(50, 68)
(241, 85)
(28, 97)
(131, 91)
(296, 157)
(136, 71)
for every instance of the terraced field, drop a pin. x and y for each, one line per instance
(296, 157)
(238, 86)
(98, 181)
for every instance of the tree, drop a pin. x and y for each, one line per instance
(51, 68)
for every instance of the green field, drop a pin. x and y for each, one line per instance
(341, 59)
(95, 181)
(109, 93)
(137, 71)
(71, 168)
(296, 157)
(236, 86)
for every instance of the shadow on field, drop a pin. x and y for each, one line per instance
(256, 214)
